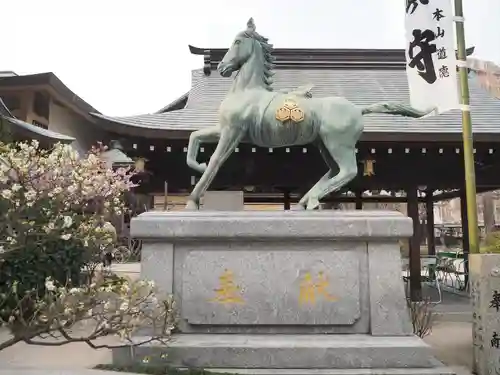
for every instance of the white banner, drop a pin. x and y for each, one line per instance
(430, 55)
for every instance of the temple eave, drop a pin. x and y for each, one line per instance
(34, 132)
(128, 127)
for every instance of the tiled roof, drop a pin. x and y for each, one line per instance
(36, 132)
(51, 80)
(29, 130)
(177, 104)
(361, 86)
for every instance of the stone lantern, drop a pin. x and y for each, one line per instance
(115, 157)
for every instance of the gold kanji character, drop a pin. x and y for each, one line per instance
(311, 290)
(228, 292)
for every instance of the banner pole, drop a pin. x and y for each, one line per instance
(470, 174)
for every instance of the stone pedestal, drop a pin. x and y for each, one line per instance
(485, 292)
(261, 292)
(223, 201)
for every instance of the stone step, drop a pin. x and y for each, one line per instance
(387, 371)
(282, 351)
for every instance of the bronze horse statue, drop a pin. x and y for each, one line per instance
(252, 112)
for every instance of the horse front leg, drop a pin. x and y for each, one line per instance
(209, 135)
(229, 139)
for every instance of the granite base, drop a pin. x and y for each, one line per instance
(287, 352)
(282, 290)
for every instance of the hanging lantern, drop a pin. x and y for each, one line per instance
(140, 164)
(369, 167)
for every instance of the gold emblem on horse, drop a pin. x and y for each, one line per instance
(290, 111)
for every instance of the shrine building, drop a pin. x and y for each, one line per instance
(400, 159)
(411, 160)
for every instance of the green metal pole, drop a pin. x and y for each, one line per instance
(470, 174)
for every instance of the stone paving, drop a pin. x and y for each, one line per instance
(452, 342)
(451, 339)
(21, 371)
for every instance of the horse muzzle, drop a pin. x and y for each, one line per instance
(225, 69)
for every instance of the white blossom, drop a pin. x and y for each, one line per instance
(6, 193)
(67, 221)
(48, 196)
(124, 306)
(30, 195)
(49, 284)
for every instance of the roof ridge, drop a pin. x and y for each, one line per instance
(365, 86)
(319, 57)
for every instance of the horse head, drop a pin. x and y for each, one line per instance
(239, 52)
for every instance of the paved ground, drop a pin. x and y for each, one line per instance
(452, 342)
(59, 372)
(451, 339)
(66, 356)
(454, 308)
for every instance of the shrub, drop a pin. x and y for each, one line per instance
(491, 243)
(55, 206)
(422, 316)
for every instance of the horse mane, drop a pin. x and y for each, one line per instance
(267, 52)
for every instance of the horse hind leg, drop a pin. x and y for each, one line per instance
(345, 157)
(229, 139)
(317, 188)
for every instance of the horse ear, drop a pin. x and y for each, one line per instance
(251, 24)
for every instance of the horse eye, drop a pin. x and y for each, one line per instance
(237, 41)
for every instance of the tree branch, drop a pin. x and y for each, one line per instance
(86, 341)
(13, 341)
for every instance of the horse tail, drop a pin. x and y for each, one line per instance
(395, 109)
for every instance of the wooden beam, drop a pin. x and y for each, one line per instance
(294, 198)
(447, 195)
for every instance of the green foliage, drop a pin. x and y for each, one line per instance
(49, 229)
(29, 267)
(141, 368)
(491, 243)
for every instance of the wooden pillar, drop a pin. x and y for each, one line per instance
(415, 285)
(429, 208)
(286, 200)
(488, 200)
(465, 233)
(359, 200)
(165, 196)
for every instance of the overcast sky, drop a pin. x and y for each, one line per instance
(127, 57)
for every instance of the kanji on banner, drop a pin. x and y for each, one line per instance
(430, 55)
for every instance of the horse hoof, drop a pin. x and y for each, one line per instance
(191, 206)
(312, 204)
